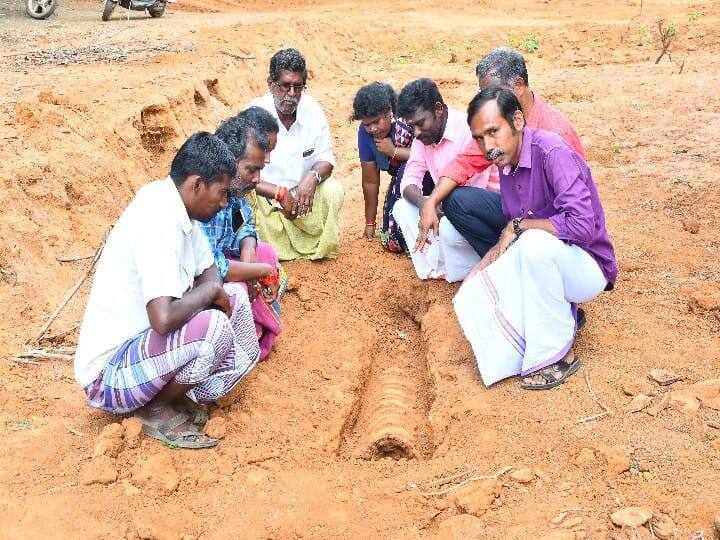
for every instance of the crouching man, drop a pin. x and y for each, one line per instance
(159, 323)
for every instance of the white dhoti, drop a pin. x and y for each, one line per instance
(449, 257)
(517, 314)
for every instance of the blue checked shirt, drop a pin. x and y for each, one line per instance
(227, 229)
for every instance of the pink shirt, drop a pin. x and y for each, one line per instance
(467, 164)
(435, 157)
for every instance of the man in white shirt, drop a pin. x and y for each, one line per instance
(302, 162)
(159, 324)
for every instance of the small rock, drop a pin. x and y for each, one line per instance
(100, 470)
(637, 386)
(632, 516)
(618, 459)
(638, 403)
(705, 300)
(663, 526)
(684, 402)
(303, 293)
(557, 520)
(522, 476)
(132, 428)
(477, 497)
(108, 447)
(664, 377)
(216, 427)
(660, 406)
(130, 490)
(585, 457)
(691, 225)
(156, 472)
(572, 522)
(463, 527)
(112, 431)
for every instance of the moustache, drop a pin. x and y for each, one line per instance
(493, 154)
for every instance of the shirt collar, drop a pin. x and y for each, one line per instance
(451, 126)
(178, 205)
(526, 149)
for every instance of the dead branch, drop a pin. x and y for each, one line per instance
(464, 482)
(448, 479)
(45, 355)
(24, 361)
(667, 33)
(71, 293)
(74, 259)
(606, 410)
(238, 56)
(58, 488)
(7, 274)
(60, 335)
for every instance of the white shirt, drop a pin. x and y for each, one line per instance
(153, 250)
(299, 148)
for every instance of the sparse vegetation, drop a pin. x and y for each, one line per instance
(615, 148)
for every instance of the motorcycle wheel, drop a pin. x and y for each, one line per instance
(41, 9)
(108, 9)
(157, 10)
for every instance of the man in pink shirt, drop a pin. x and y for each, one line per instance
(477, 214)
(441, 133)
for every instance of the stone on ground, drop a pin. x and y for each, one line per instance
(638, 386)
(664, 377)
(110, 442)
(99, 470)
(522, 476)
(618, 459)
(216, 427)
(132, 428)
(156, 473)
(463, 527)
(632, 516)
(663, 526)
(638, 403)
(476, 497)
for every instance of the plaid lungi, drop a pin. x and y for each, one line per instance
(210, 352)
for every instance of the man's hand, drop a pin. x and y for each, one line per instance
(506, 238)
(429, 219)
(288, 204)
(385, 146)
(222, 302)
(305, 195)
(369, 233)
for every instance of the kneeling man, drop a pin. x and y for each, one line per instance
(516, 306)
(159, 324)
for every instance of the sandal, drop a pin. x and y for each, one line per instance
(198, 417)
(192, 439)
(581, 319)
(549, 374)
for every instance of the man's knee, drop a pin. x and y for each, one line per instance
(333, 191)
(202, 326)
(538, 245)
(449, 235)
(404, 210)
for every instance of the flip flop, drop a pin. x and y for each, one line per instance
(565, 370)
(197, 416)
(183, 439)
(581, 319)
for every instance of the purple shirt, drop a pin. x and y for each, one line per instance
(552, 182)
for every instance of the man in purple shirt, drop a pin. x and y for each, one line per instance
(516, 305)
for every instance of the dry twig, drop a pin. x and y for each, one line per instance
(238, 56)
(60, 335)
(75, 258)
(464, 482)
(58, 488)
(71, 293)
(7, 274)
(667, 33)
(605, 409)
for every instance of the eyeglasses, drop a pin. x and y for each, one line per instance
(285, 87)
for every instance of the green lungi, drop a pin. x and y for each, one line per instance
(314, 236)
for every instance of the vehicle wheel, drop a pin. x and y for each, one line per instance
(157, 10)
(41, 9)
(108, 9)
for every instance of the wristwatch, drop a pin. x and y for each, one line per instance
(316, 175)
(516, 226)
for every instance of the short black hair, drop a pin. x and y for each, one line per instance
(261, 119)
(418, 94)
(205, 155)
(238, 132)
(374, 99)
(504, 64)
(289, 60)
(507, 103)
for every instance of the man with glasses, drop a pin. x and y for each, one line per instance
(301, 221)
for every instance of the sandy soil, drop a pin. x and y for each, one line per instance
(372, 393)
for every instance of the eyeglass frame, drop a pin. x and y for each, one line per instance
(285, 87)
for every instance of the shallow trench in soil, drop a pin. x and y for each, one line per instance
(371, 393)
